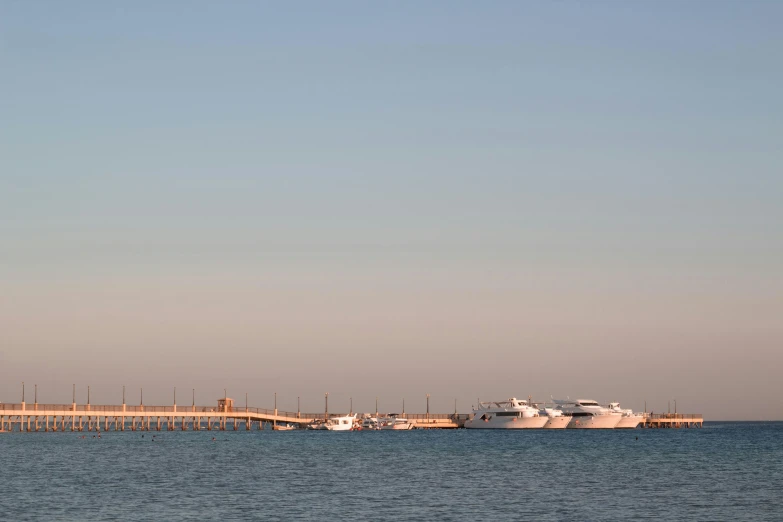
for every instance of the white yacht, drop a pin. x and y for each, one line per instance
(588, 414)
(557, 419)
(393, 422)
(629, 418)
(506, 415)
(344, 423)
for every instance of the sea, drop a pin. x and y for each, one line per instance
(723, 471)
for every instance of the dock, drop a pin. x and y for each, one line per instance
(224, 416)
(22, 417)
(673, 420)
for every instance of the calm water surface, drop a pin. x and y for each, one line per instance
(724, 471)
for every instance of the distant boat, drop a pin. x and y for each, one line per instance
(512, 414)
(344, 423)
(629, 419)
(588, 414)
(285, 427)
(557, 419)
(370, 423)
(393, 422)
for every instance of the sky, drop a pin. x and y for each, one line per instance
(467, 200)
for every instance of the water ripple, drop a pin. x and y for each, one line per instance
(723, 471)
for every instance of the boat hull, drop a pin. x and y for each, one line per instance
(339, 423)
(405, 426)
(507, 423)
(606, 422)
(630, 422)
(557, 423)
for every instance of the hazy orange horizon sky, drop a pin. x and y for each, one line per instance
(393, 200)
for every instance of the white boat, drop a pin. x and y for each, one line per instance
(284, 427)
(393, 422)
(344, 423)
(588, 414)
(557, 419)
(506, 415)
(370, 423)
(629, 419)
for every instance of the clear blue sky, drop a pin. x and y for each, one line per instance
(320, 188)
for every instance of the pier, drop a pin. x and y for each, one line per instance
(35, 417)
(223, 416)
(673, 420)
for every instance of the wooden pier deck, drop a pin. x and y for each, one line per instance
(90, 417)
(673, 420)
(81, 417)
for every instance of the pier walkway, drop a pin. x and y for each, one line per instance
(90, 417)
(673, 420)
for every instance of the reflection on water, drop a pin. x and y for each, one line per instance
(721, 472)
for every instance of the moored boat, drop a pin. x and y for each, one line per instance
(508, 415)
(629, 419)
(557, 419)
(340, 423)
(370, 423)
(284, 427)
(588, 414)
(394, 422)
